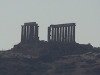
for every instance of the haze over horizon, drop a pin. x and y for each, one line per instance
(14, 13)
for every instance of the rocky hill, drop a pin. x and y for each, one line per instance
(50, 59)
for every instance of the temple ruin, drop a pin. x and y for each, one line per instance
(62, 33)
(56, 33)
(29, 32)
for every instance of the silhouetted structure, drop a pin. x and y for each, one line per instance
(62, 33)
(56, 33)
(29, 32)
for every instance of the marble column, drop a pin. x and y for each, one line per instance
(57, 33)
(27, 33)
(74, 33)
(71, 35)
(49, 34)
(62, 34)
(31, 32)
(60, 37)
(66, 34)
(25, 39)
(22, 34)
(36, 31)
(52, 33)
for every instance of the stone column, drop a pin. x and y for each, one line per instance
(52, 33)
(25, 39)
(22, 33)
(31, 33)
(27, 33)
(66, 34)
(36, 32)
(57, 33)
(71, 34)
(74, 33)
(49, 34)
(60, 37)
(62, 34)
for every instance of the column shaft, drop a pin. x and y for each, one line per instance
(22, 34)
(57, 33)
(25, 33)
(60, 37)
(31, 32)
(36, 33)
(66, 34)
(74, 33)
(62, 34)
(71, 34)
(48, 34)
(54, 33)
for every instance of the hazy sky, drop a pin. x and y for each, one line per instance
(14, 13)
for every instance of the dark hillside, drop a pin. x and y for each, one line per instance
(50, 59)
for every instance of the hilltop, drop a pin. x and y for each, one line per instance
(45, 58)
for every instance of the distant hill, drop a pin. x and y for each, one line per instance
(45, 58)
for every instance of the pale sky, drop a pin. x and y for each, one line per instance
(14, 13)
